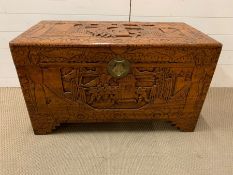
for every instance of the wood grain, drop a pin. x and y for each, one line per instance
(62, 68)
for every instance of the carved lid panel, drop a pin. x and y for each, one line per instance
(91, 34)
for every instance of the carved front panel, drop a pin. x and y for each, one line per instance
(74, 84)
(63, 85)
(145, 87)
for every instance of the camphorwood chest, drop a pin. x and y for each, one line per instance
(75, 72)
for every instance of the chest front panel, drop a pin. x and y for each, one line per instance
(161, 83)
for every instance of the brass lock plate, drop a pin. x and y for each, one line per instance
(118, 68)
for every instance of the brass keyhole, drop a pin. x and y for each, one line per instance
(118, 68)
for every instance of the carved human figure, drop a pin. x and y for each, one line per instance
(100, 92)
(142, 95)
(106, 93)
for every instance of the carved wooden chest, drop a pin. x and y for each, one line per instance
(72, 72)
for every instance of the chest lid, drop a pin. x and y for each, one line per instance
(92, 34)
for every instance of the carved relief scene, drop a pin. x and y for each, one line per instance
(143, 87)
(109, 30)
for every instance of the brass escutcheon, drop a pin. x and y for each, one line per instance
(118, 67)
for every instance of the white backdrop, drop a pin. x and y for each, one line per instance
(213, 17)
